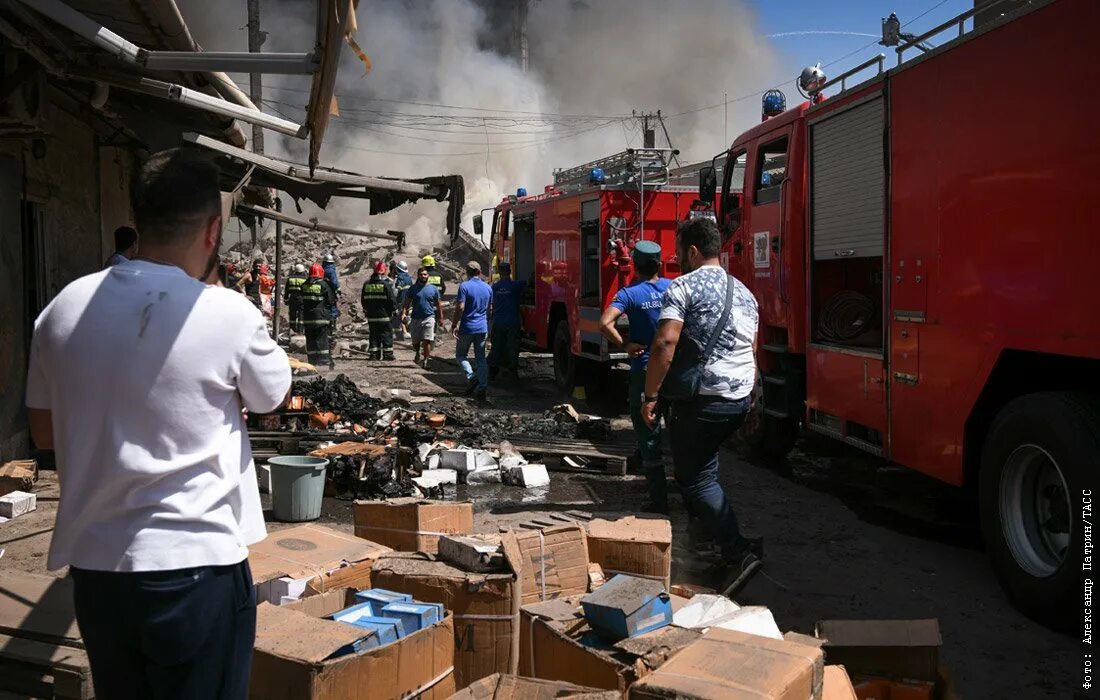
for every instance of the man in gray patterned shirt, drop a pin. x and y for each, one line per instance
(691, 312)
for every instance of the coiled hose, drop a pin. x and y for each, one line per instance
(846, 316)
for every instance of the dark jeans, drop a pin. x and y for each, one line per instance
(295, 313)
(649, 441)
(168, 634)
(317, 342)
(697, 429)
(505, 349)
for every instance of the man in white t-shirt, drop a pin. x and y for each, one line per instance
(690, 314)
(137, 378)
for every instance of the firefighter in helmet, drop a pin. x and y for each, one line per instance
(293, 294)
(434, 276)
(318, 297)
(379, 302)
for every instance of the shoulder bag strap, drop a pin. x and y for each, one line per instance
(723, 319)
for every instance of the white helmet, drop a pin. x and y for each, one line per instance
(402, 265)
(300, 269)
(329, 257)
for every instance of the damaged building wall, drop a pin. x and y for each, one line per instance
(52, 218)
(116, 168)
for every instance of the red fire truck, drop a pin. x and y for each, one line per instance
(919, 244)
(572, 245)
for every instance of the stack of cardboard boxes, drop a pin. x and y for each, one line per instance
(516, 616)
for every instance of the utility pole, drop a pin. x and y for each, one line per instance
(255, 86)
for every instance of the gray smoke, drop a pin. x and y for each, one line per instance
(596, 60)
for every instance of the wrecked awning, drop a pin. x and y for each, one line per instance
(384, 193)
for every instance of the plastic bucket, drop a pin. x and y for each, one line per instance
(297, 487)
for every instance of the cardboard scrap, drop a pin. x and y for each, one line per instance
(293, 657)
(313, 559)
(412, 524)
(18, 475)
(485, 609)
(38, 607)
(837, 685)
(735, 665)
(506, 687)
(899, 649)
(350, 449)
(635, 546)
(551, 562)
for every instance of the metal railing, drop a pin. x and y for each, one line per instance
(843, 77)
(959, 22)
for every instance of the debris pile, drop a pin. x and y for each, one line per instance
(340, 396)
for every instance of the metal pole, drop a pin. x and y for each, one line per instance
(725, 118)
(255, 80)
(278, 270)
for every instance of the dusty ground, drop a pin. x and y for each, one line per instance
(845, 538)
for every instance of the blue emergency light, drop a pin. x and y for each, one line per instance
(773, 103)
(596, 175)
(521, 192)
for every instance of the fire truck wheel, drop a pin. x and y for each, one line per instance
(565, 364)
(1038, 470)
(767, 437)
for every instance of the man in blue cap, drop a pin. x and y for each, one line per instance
(641, 302)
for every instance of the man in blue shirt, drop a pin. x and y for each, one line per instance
(506, 327)
(423, 299)
(470, 326)
(641, 302)
(399, 271)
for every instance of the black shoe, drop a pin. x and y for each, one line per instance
(739, 574)
(655, 507)
(481, 397)
(471, 385)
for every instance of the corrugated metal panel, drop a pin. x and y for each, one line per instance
(590, 210)
(848, 177)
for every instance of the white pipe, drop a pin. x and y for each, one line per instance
(92, 31)
(200, 100)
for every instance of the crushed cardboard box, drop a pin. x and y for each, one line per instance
(556, 643)
(18, 475)
(479, 553)
(310, 559)
(506, 687)
(734, 665)
(293, 657)
(485, 608)
(636, 546)
(551, 562)
(900, 649)
(412, 524)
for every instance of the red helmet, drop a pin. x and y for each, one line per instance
(380, 267)
(315, 270)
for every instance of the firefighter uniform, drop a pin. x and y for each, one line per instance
(379, 302)
(434, 277)
(293, 294)
(317, 298)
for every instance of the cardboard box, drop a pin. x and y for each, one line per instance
(637, 546)
(412, 524)
(17, 503)
(18, 475)
(627, 606)
(837, 685)
(886, 689)
(309, 559)
(901, 649)
(556, 643)
(734, 665)
(551, 562)
(505, 687)
(38, 607)
(481, 553)
(485, 608)
(292, 660)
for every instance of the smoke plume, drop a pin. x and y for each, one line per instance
(591, 63)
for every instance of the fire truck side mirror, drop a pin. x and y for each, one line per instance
(708, 183)
(479, 226)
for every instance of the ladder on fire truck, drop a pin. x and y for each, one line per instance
(636, 167)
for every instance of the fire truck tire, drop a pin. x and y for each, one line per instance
(767, 437)
(1036, 490)
(565, 363)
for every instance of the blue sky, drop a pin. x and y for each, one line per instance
(779, 17)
